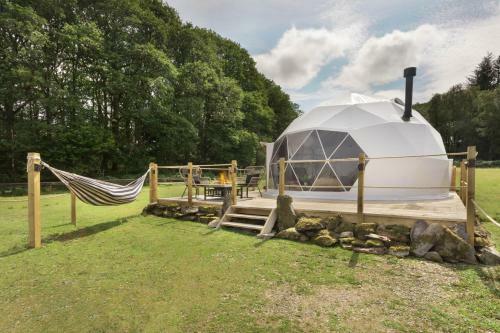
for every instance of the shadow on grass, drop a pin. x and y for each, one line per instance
(490, 276)
(79, 233)
(354, 259)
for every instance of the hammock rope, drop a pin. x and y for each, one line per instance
(97, 192)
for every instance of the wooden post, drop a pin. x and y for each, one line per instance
(453, 182)
(153, 182)
(463, 181)
(34, 224)
(73, 209)
(282, 176)
(190, 183)
(361, 186)
(471, 189)
(234, 189)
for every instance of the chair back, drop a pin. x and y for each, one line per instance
(253, 181)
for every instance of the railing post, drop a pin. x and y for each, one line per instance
(282, 176)
(153, 182)
(234, 189)
(471, 189)
(190, 183)
(463, 177)
(453, 182)
(34, 227)
(361, 186)
(73, 209)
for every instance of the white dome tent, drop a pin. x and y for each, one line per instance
(374, 127)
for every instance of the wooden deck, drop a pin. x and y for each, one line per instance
(446, 211)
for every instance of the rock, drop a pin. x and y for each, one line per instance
(346, 246)
(309, 224)
(460, 230)
(292, 234)
(452, 248)
(206, 219)
(395, 232)
(422, 242)
(209, 210)
(371, 250)
(346, 234)
(384, 239)
(347, 240)
(399, 250)
(417, 229)
(324, 238)
(481, 242)
(285, 212)
(363, 229)
(433, 256)
(374, 243)
(358, 243)
(154, 209)
(489, 256)
(189, 210)
(340, 225)
(332, 222)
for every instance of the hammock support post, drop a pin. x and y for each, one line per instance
(34, 224)
(471, 187)
(153, 182)
(73, 209)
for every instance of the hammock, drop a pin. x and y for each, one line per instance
(98, 192)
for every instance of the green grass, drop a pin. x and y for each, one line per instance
(119, 271)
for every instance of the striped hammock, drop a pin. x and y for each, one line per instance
(98, 192)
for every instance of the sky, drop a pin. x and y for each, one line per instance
(321, 51)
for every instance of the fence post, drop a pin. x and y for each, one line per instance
(153, 182)
(34, 227)
(234, 189)
(190, 183)
(73, 209)
(282, 176)
(361, 186)
(453, 182)
(463, 177)
(471, 174)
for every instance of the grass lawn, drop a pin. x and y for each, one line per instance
(121, 272)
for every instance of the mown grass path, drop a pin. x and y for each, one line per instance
(122, 272)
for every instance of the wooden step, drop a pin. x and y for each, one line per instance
(242, 225)
(248, 217)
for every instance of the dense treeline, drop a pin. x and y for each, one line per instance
(469, 114)
(104, 87)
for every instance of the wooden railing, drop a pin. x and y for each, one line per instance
(466, 189)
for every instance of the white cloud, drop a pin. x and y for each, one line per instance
(381, 60)
(301, 53)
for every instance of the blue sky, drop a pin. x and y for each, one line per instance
(320, 51)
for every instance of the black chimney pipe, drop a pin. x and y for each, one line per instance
(408, 73)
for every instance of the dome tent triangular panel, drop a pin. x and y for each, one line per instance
(375, 128)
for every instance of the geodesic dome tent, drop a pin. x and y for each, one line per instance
(343, 131)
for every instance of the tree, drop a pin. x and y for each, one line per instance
(484, 76)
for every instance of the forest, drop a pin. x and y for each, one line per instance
(104, 87)
(469, 113)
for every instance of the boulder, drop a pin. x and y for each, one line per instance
(423, 241)
(396, 232)
(209, 210)
(285, 212)
(363, 229)
(339, 225)
(417, 229)
(189, 210)
(358, 243)
(292, 234)
(309, 224)
(374, 243)
(399, 250)
(433, 256)
(347, 240)
(324, 238)
(453, 248)
(489, 256)
(346, 234)
(481, 242)
(214, 223)
(371, 250)
(206, 219)
(384, 239)
(154, 209)
(460, 230)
